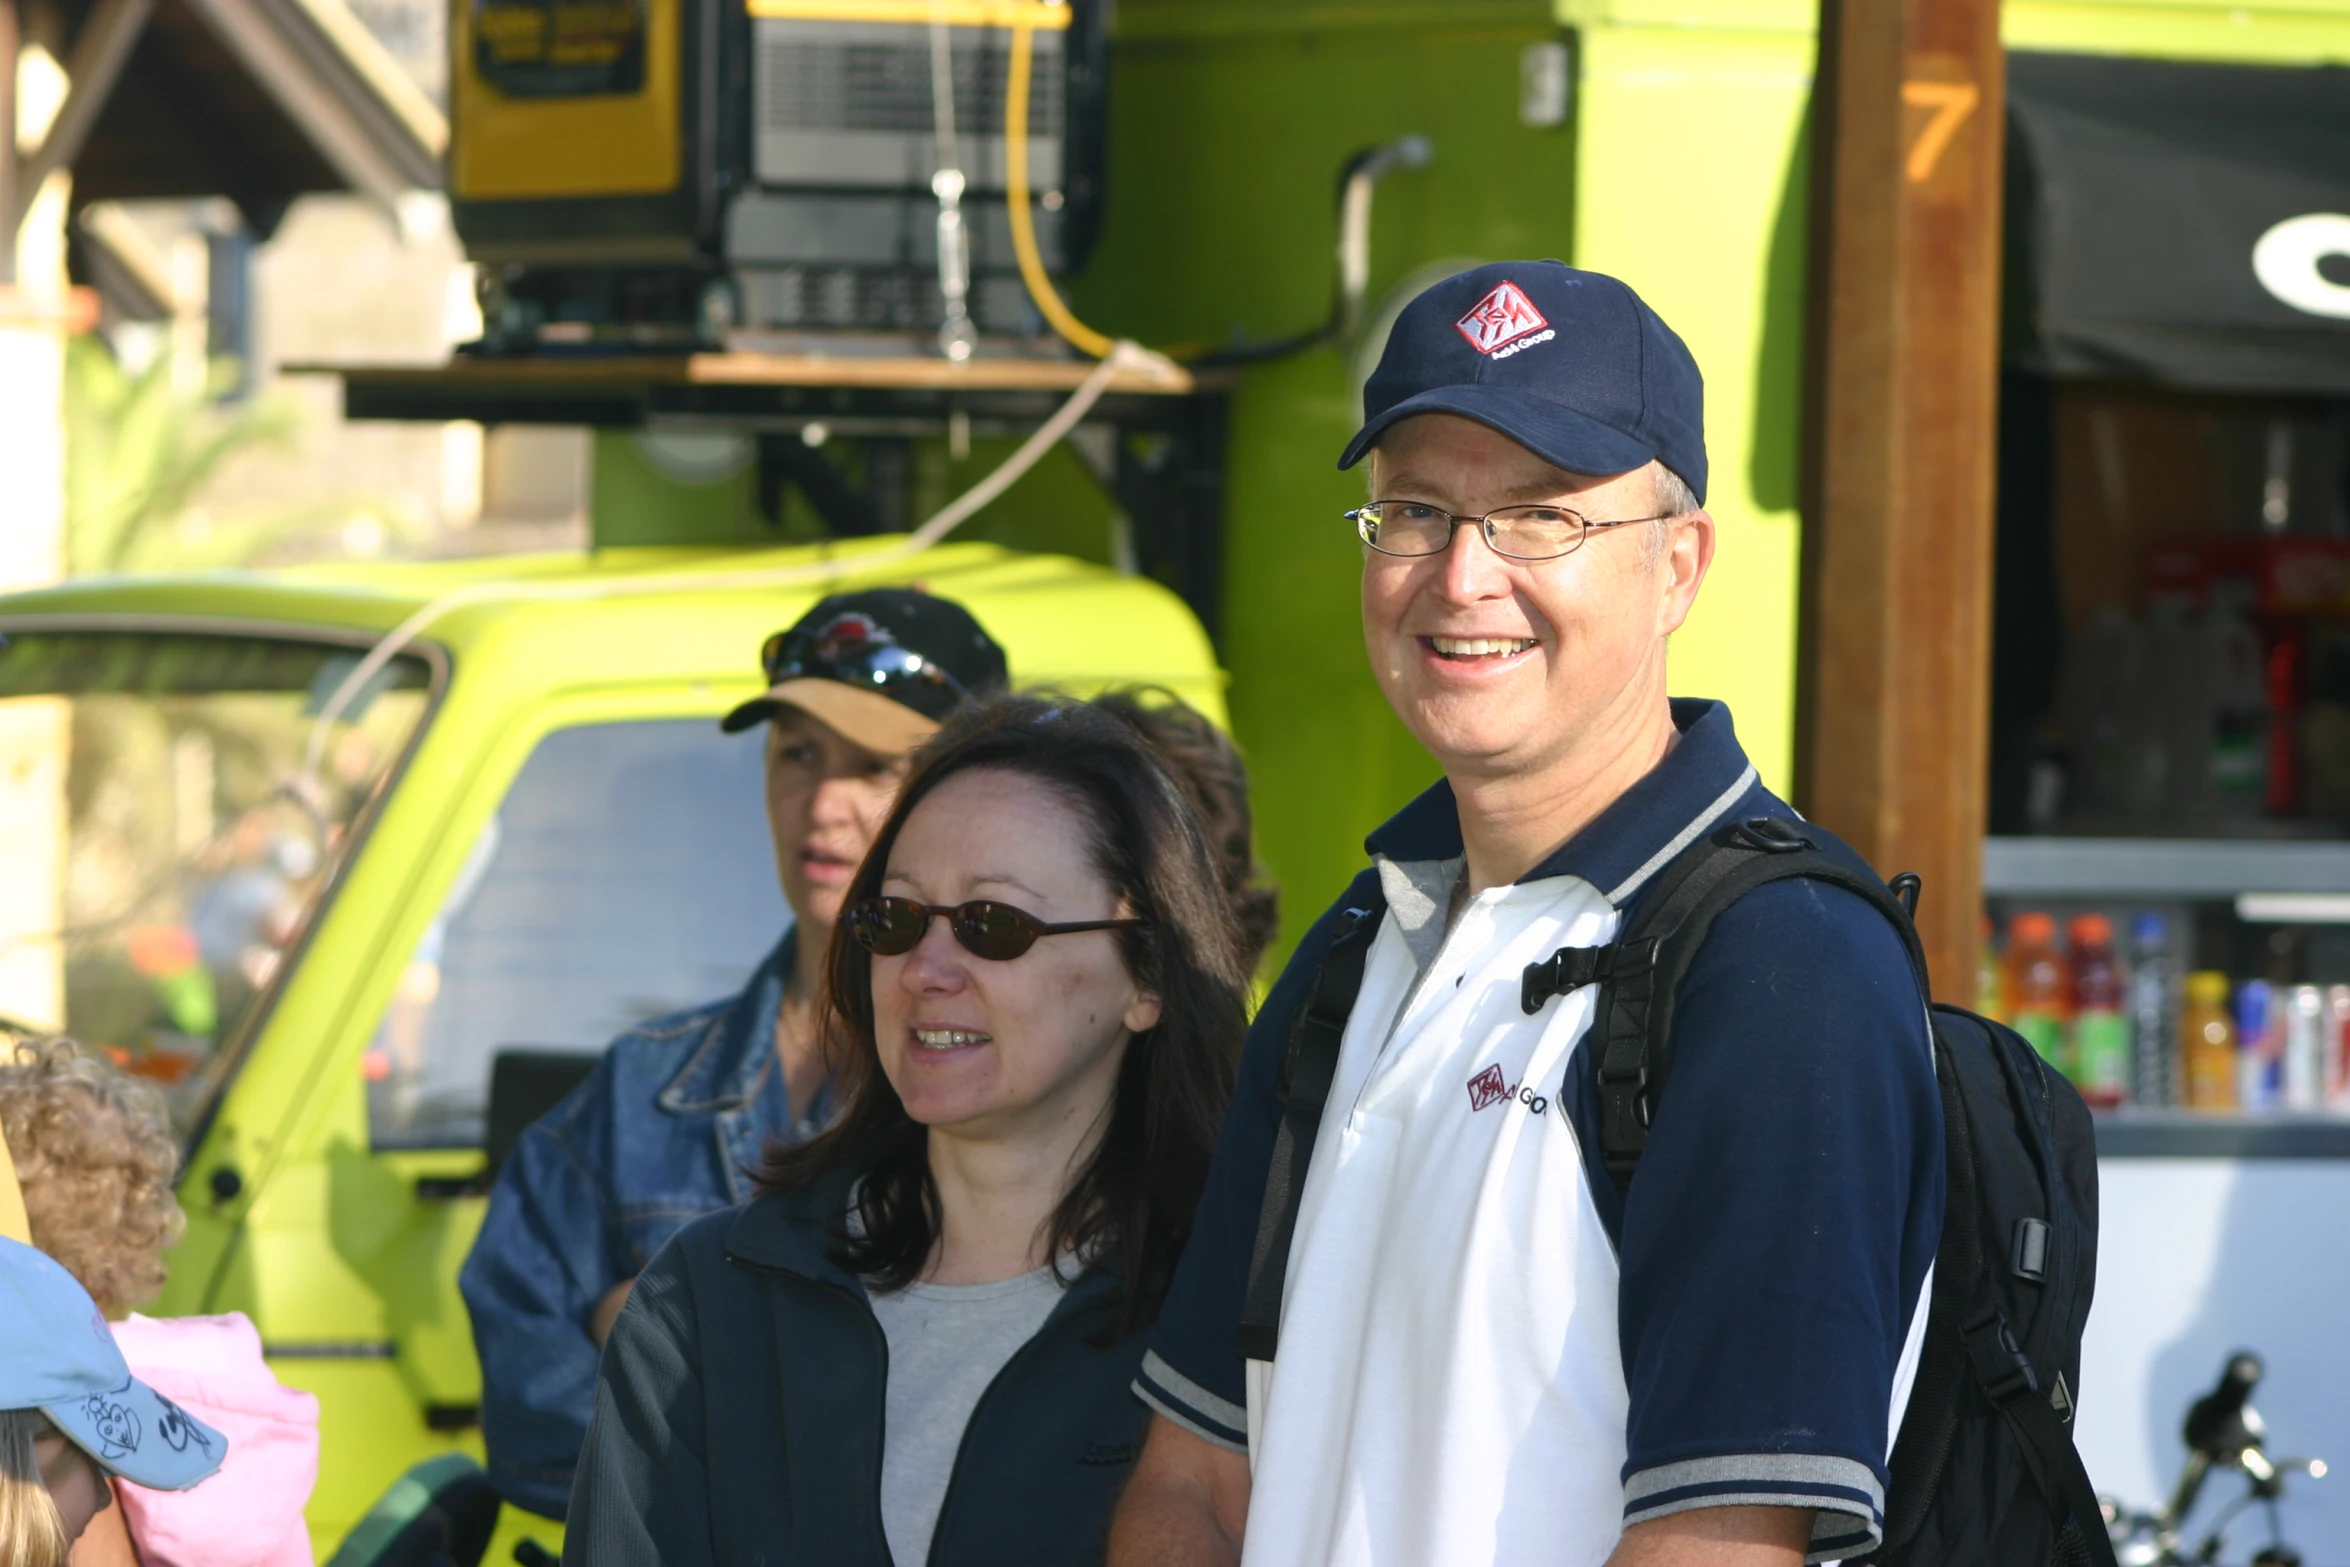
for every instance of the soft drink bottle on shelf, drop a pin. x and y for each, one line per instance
(2100, 1032)
(1990, 989)
(2154, 1043)
(2305, 1048)
(2259, 1046)
(2039, 991)
(2337, 1046)
(2207, 1039)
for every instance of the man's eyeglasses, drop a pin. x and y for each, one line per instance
(872, 665)
(997, 932)
(1520, 532)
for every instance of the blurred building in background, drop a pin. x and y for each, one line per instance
(189, 442)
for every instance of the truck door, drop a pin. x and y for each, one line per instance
(621, 872)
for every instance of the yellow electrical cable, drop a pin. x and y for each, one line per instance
(1040, 287)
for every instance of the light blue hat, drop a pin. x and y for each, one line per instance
(57, 1355)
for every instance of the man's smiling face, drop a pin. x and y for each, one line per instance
(1497, 665)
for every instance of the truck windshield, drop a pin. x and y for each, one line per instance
(160, 846)
(626, 875)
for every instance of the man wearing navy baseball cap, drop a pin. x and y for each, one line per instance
(1483, 1348)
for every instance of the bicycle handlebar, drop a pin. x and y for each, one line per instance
(2215, 1424)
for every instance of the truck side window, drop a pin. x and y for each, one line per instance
(626, 874)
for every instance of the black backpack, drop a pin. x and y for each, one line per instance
(1983, 1469)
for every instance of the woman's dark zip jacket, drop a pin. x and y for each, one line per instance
(739, 1414)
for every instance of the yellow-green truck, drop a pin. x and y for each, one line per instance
(527, 833)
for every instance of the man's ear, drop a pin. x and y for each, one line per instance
(1688, 555)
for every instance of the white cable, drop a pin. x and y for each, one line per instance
(957, 338)
(1124, 356)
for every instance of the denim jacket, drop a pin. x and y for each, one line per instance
(665, 1129)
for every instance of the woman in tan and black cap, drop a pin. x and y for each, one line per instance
(680, 1107)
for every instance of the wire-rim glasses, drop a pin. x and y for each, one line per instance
(1410, 528)
(998, 932)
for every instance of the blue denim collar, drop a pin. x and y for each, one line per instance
(737, 1050)
(1699, 779)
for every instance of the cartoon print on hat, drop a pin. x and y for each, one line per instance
(181, 1429)
(58, 1355)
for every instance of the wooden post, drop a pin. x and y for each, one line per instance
(35, 732)
(1908, 109)
(11, 45)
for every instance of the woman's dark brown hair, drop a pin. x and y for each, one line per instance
(1130, 1205)
(1208, 765)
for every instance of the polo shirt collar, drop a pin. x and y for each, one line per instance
(1699, 780)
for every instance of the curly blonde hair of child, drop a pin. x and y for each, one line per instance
(32, 1534)
(95, 1156)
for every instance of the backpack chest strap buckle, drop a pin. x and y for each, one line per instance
(1571, 968)
(2001, 1368)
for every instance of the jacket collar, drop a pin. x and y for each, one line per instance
(737, 1049)
(798, 1232)
(1695, 785)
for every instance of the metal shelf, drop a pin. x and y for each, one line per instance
(2171, 868)
(2187, 1134)
(1154, 439)
(775, 390)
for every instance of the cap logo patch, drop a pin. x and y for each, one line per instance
(1497, 325)
(845, 631)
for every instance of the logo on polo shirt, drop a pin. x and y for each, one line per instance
(1488, 1088)
(1498, 325)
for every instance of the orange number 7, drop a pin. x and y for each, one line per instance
(1951, 102)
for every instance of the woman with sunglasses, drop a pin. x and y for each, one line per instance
(916, 1345)
(676, 1111)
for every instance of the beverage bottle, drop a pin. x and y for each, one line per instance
(2100, 1031)
(2337, 1048)
(2154, 1028)
(2039, 993)
(2207, 1041)
(2305, 1048)
(1990, 996)
(2259, 1046)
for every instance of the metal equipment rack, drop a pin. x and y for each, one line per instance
(1154, 440)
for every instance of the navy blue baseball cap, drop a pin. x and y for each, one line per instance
(1571, 365)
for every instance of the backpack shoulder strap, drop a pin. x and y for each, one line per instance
(1643, 968)
(1307, 1068)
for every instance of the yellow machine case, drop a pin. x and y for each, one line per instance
(610, 132)
(593, 131)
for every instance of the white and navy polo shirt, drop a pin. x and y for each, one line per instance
(1487, 1353)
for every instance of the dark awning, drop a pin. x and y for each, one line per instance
(259, 101)
(2183, 224)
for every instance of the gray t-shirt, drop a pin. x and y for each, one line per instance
(946, 1344)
